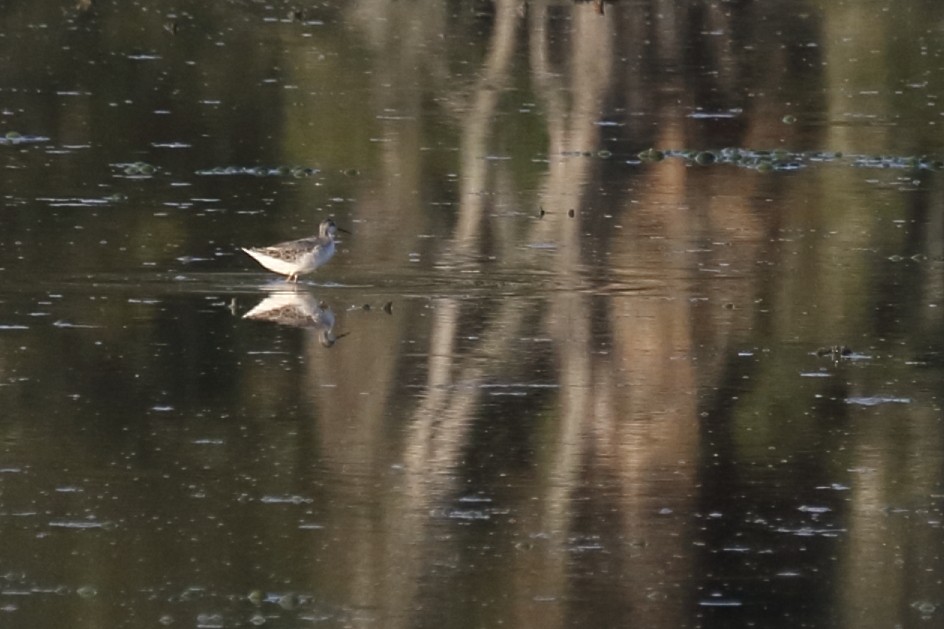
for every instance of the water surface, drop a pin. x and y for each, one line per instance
(639, 323)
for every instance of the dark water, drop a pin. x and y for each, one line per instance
(571, 382)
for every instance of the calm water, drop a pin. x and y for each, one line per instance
(571, 381)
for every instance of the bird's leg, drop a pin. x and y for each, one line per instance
(292, 277)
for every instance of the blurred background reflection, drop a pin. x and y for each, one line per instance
(638, 323)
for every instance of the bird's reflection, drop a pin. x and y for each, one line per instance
(298, 310)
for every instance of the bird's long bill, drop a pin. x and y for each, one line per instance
(342, 230)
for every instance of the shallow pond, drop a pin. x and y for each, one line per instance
(638, 322)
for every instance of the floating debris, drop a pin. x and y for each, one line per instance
(66, 324)
(705, 158)
(651, 155)
(875, 400)
(835, 352)
(785, 160)
(925, 608)
(719, 602)
(298, 172)
(15, 137)
(280, 500)
(79, 524)
(87, 591)
(716, 115)
(135, 170)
